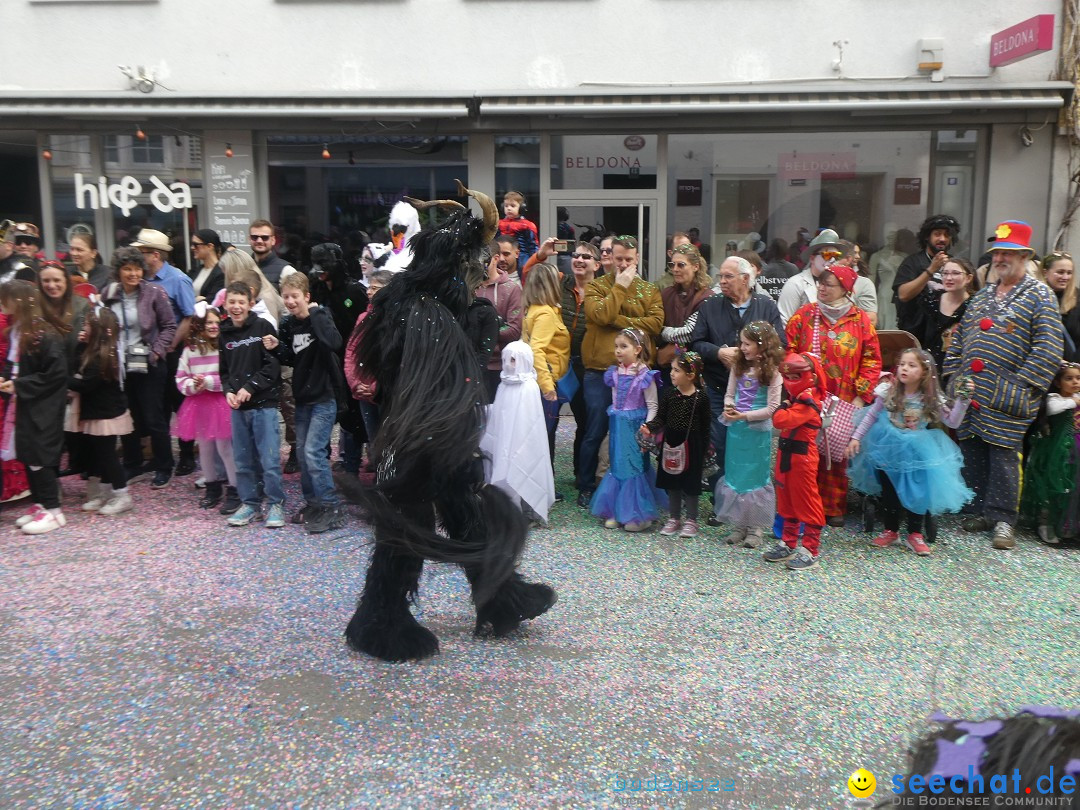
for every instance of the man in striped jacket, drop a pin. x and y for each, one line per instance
(1010, 344)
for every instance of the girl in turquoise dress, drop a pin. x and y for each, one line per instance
(745, 497)
(899, 454)
(627, 495)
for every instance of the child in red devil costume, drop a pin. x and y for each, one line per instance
(797, 497)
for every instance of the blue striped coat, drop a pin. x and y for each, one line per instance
(1011, 349)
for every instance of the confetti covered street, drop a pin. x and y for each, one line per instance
(164, 660)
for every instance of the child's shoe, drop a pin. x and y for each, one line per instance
(778, 553)
(885, 539)
(802, 560)
(275, 516)
(736, 536)
(46, 521)
(212, 496)
(917, 543)
(754, 538)
(670, 528)
(96, 494)
(689, 529)
(637, 526)
(1047, 535)
(243, 516)
(30, 514)
(611, 523)
(119, 503)
(231, 503)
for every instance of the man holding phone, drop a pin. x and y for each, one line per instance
(937, 236)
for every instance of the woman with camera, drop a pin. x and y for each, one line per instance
(147, 327)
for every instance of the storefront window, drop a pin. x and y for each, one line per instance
(742, 190)
(151, 183)
(349, 196)
(603, 161)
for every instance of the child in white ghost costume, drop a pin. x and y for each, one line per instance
(515, 439)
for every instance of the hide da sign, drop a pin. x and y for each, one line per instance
(124, 194)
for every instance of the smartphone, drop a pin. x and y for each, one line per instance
(562, 246)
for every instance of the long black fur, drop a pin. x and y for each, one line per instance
(430, 500)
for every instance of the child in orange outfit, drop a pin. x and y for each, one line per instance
(797, 497)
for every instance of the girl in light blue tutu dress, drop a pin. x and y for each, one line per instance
(899, 452)
(627, 495)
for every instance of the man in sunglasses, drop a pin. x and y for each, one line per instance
(937, 237)
(824, 250)
(262, 239)
(26, 239)
(12, 265)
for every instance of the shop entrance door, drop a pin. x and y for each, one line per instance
(580, 217)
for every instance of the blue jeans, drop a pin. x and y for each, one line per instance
(551, 421)
(717, 431)
(256, 438)
(314, 424)
(369, 412)
(597, 401)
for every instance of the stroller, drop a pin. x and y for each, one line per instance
(893, 342)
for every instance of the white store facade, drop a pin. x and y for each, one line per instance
(730, 117)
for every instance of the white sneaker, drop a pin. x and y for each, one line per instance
(200, 482)
(31, 514)
(119, 502)
(99, 496)
(46, 521)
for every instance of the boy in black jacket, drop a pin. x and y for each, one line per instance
(310, 343)
(251, 380)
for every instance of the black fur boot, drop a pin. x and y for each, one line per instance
(515, 601)
(383, 626)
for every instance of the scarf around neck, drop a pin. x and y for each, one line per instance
(834, 312)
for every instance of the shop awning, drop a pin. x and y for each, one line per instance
(136, 106)
(1047, 95)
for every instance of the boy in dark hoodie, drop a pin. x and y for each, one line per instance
(251, 380)
(310, 342)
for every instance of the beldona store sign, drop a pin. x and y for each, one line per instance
(1022, 40)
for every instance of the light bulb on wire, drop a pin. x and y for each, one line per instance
(47, 154)
(326, 151)
(139, 134)
(228, 150)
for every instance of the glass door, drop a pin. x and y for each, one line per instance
(586, 218)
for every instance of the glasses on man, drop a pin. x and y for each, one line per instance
(25, 240)
(830, 255)
(582, 256)
(258, 237)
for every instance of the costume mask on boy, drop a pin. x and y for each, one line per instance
(802, 372)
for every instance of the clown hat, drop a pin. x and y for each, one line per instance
(1012, 234)
(845, 275)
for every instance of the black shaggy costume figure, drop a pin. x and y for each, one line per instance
(430, 500)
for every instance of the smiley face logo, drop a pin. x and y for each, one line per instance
(861, 783)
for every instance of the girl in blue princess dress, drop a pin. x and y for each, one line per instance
(627, 495)
(898, 454)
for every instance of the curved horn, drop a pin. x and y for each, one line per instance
(423, 205)
(487, 205)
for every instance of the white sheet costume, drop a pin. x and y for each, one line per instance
(515, 439)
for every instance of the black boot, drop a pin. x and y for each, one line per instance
(231, 503)
(212, 495)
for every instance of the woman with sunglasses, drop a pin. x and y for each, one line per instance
(691, 285)
(837, 332)
(1057, 272)
(584, 265)
(206, 248)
